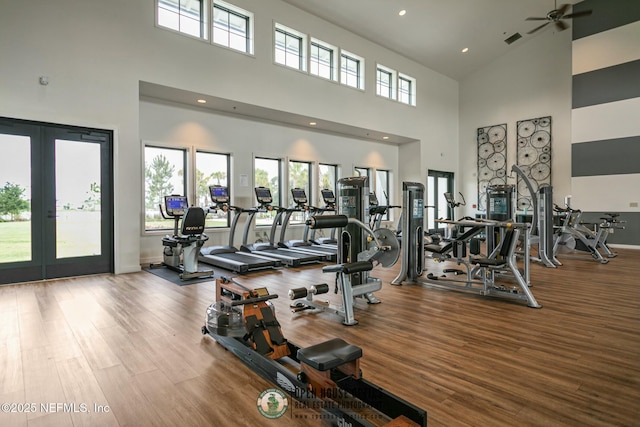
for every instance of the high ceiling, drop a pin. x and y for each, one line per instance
(434, 32)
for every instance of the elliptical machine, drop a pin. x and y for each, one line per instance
(181, 249)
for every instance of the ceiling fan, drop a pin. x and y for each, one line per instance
(556, 17)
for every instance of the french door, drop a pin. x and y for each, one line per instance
(56, 215)
(438, 183)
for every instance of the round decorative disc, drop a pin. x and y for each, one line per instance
(540, 171)
(496, 133)
(540, 139)
(545, 157)
(497, 181)
(523, 142)
(482, 138)
(526, 129)
(499, 146)
(501, 173)
(544, 122)
(485, 173)
(485, 150)
(524, 203)
(496, 161)
(527, 156)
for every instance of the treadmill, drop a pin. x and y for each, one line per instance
(300, 199)
(329, 199)
(228, 257)
(286, 256)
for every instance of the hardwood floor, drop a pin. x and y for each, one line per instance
(127, 350)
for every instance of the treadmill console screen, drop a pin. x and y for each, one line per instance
(449, 198)
(299, 196)
(175, 205)
(328, 197)
(219, 194)
(263, 195)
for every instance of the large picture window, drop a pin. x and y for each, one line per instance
(211, 169)
(327, 179)
(299, 177)
(266, 173)
(382, 190)
(164, 172)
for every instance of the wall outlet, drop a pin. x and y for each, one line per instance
(633, 204)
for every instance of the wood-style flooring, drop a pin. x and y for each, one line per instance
(126, 350)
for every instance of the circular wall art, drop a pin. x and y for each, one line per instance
(533, 156)
(492, 159)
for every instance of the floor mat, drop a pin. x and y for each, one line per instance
(173, 277)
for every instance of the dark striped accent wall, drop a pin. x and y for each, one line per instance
(605, 123)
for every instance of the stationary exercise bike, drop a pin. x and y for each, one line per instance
(573, 235)
(181, 249)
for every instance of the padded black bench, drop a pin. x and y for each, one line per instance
(329, 354)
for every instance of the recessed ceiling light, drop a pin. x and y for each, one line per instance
(385, 137)
(402, 12)
(465, 50)
(312, 123)
(202, 101)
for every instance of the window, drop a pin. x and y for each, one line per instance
(438, 183)
(185, 16)
(322, 60)
(362, 172)
(232, 27)
(164, 171)
(299, 177)
(290, 47)
(266, 173)
(385, 82)
(327, 178)
(382, 190)
(352, 70)
(406, 89)
(211, 169)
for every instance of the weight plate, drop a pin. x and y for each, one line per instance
(387, 238)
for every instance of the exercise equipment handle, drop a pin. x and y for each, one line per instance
(327, 221)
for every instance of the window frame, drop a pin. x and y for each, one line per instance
(412, 89)
(392, 87)
(335, 179)
(277, 196)
(346, 57)
(185, 182)
(302, 46)
(227, 180)
(385, 191)
(203, 19)
(333, 68)
(299, 218)
(238, 12)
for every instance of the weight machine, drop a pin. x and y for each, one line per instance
(573, 235)
(358, 248)
(481, 270)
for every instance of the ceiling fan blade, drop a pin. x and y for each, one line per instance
(536, 18)
(538, 28)
(561, 26)
(579, 14)
(562, 9)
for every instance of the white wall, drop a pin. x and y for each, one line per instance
(95, 53)
(531, 81)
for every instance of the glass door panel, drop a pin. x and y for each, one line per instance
(15, 198)
(78, 199)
